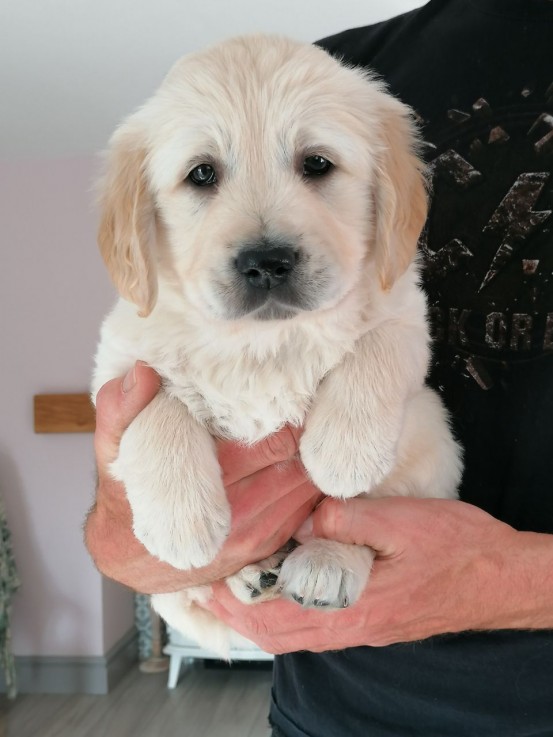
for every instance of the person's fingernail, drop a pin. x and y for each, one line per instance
(130, 380)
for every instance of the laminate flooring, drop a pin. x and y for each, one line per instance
(207, 702)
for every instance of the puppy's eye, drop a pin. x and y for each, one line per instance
(203, 175)
(316, 165)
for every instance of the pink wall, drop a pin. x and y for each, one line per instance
(53, 294)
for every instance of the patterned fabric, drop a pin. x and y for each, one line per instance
(9, 583)
(152, 634)
(143, 623)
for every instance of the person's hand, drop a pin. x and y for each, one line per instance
(442, 566)
(266, 486)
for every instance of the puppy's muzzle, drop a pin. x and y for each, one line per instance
(271, 280)
(266, 268)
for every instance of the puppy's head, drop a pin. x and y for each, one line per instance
(261, 180)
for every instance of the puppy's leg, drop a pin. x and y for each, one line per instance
(183, 611)
(168, 464)
(429, 460)
(326, 573)
(351, 433)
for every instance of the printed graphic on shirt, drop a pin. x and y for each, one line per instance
(488, 244)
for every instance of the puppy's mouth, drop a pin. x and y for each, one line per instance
(280, 302)
(280, 306)
(272, 284)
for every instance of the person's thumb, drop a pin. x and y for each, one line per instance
(361, 521)
(118, 402)
(238, 460)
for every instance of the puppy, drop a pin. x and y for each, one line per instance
(260, 220)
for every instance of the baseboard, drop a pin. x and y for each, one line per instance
(67, 675)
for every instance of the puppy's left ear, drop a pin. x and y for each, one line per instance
(126, 236)
(400, 196)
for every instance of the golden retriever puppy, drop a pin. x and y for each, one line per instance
(260, 221)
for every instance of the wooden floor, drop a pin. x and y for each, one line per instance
(208, 702)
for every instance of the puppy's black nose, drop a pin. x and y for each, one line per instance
(266, 268)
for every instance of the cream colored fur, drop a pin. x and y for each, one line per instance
(348, 361)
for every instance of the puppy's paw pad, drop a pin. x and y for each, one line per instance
(259, 581)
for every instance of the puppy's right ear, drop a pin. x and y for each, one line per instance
(400, 195)
(127, 229)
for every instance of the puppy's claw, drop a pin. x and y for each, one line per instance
(320, 603)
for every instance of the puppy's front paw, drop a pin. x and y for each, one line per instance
(260, 581)
(170, 470)
(325, 573)
(181, 539)
(184, 535)
(343, 462)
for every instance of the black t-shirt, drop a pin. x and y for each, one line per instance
(479, 74)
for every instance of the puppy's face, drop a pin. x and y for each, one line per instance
(260, 181)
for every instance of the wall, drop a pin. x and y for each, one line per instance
(53, 294)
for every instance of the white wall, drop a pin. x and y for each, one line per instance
(53, 289)
(77, 66)
(53, 292)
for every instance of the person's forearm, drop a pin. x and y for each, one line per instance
(519, 585)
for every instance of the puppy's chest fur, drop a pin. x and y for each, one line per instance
(247, 397)
(242, 385)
